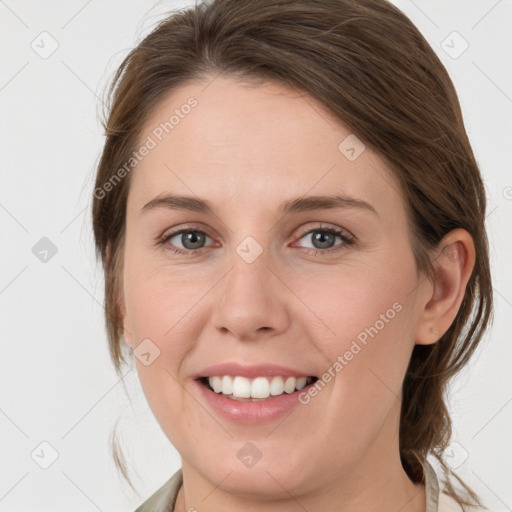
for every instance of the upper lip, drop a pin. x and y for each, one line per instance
(250, 371)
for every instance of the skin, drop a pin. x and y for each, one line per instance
(246, 148)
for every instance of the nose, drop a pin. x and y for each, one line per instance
(251, 302)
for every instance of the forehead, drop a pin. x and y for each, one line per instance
(225, 139)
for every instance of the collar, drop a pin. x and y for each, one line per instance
(431, 488)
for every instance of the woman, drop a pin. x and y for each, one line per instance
(291, 223)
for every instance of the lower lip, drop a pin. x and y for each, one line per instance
(248, 412)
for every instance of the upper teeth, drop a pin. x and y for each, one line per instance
(260, 387)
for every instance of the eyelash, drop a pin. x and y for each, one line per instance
(347, 239)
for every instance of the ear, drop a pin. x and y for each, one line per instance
(121, 306)
(453, 262)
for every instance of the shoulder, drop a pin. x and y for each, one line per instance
(448, 504)
(164, 498)
(438, 500)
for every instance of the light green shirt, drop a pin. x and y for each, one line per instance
(164, 499)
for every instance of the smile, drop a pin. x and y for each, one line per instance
(259, 388)
(248, 410)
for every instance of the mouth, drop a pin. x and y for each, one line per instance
(258, 389)
(270, 394)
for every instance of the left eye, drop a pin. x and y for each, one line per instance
(325, 237)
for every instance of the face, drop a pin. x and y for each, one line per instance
(264, 277)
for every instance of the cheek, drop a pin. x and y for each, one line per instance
(160, 300)
(367, 346)
(163, 308)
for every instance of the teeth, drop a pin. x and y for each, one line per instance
(260, 387)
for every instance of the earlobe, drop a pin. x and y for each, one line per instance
(453, 262)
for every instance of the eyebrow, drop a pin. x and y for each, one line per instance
(296, 205)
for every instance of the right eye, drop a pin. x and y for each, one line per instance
(192, 240)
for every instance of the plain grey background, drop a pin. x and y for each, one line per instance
(59, 394)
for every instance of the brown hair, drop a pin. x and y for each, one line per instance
(371, 67)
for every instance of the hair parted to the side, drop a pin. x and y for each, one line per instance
(371, 67)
